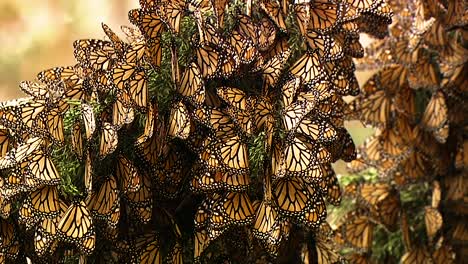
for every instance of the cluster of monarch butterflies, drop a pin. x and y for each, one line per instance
(417, 101)
(262, 77)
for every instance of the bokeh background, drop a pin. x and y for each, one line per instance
(36, 35)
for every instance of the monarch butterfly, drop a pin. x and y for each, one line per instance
(151, 27)
(45, 239)
(444, 254)
(392, 78)
(326, 252)
(403, 54)
(198, 134)
(122, 113)
(330, 187)
(42, 91)
(54, 125)
(435, 116)
(31, 114)
(88, 120)
(26, 215)
(300, 155)
(357, 165)
(209, 180)
(269, 228)
(359, 258)
(127, 175)
(26, 149)
(357, 230)
(228, 66)
(263, 117)
(240, 107)
(42, 168)
(5, 205)
(273, 10)
(316, 92)
(141, 201)
(136, 52)
(138, 89)
(383, 201)
(243, 47)
(220, 122)
(383, 11)
(302, 11)
(433, 220)
(324, 15)
(105, 204)
(273, 67)
(101, 59)
(375, 193)
(84, 47)
(10, 111)
(319, 130)
(392, 145)
(9, 239)
(266, 34)
(236, 207)
(119, 46)
(353, 48)
(347, 152)
(208, 34)
(266, 220)
(376, 109)
(201, 243)
(67, 78)
(330, 108)
(205, 179)
(171, 13)
(364, 5)
(76, 226)
(209, 60)
(308, 68)
(219, 8)
(192, 85)
(295, 113)
(371, 150)
(133, 34)
(289, 90)
(325, 45)
(44, 201)
(292, 195)
(233, 153)
(247, 28)
(235, 97)
(109, 140)
(209, 157)
(315, 213)
(151, 253)
(129, 78)
(149, 148)
(345, 83)
(175, 256)
(413, 169)
(179, 121)
(55, 75)
(203, 213)
(416, 255)
(88, 174)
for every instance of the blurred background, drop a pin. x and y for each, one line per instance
(36, 35)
